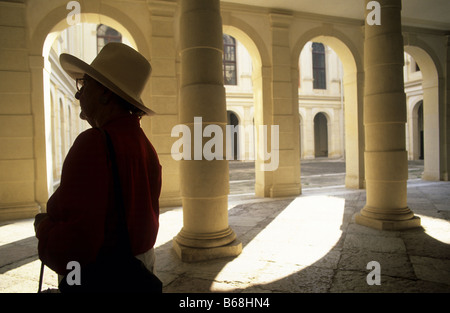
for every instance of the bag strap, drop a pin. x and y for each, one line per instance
(119, 204)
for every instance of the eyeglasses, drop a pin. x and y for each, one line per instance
(80, 83)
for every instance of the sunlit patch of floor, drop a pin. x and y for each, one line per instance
(436, 227)
(303, 234)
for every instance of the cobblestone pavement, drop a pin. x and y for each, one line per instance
(306, 244)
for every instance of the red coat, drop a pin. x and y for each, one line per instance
(74, 229)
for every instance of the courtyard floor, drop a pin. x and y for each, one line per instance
(308, 243)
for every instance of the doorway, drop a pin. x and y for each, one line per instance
(320, 136)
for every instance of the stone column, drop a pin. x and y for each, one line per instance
(204, 183)
(447, 154)
(386, 163)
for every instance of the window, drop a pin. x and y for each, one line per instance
(318, 63)
(229, 60)
(106, 34)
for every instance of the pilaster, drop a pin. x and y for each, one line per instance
(164, 95)
(285, 116)
(17, 163)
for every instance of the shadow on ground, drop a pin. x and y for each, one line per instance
(311, 244)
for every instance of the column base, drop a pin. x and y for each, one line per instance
(189, 254)
(285, 190)
(194, 247)
(21, 211)
(205, 240)
(387, 224)
(354, 182)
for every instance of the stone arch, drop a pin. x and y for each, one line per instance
(250, 38)
(46, 22)
(352, 61)
(433, 105)
(234, 120)
(417, 131)
(55, 21)
(321, 138)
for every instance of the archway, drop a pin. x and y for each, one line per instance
(352, 87)
(420, 131)
(321, 90)
(248, 39)
(418, 152)
(320, 135)
(45, 29)
(432, 138)
(233, 121)
(66, 125)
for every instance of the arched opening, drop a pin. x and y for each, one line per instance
(44, 28)
(320, 135)
(345, 121)
(237, 76)
(255, 110)
(233, 121)
(83, 40)
(420, 131)
(418, 152)
(320, 89)
(432, 142)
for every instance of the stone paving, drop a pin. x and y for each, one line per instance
(304, 244)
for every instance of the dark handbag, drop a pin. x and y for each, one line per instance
(116, 269)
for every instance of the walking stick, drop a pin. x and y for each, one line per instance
(41, 276)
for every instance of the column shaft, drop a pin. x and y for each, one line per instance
(386, 162)
(204, 183)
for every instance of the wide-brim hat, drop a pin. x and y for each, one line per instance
(118, 67)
